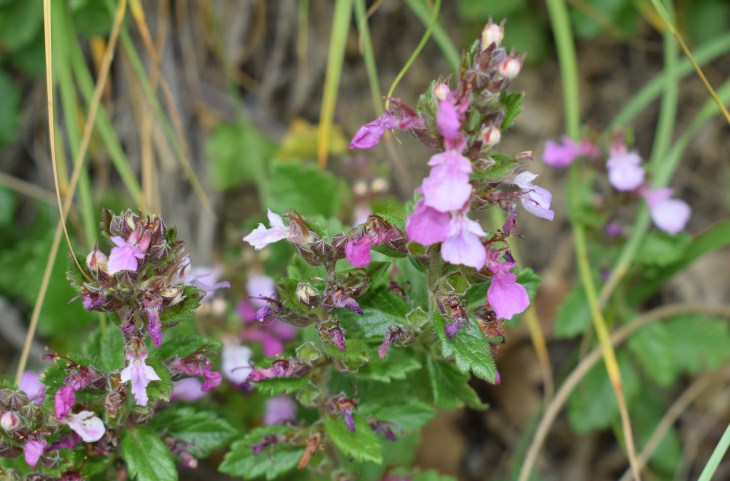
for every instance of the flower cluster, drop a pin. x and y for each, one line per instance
(466, 125)
(625, 174)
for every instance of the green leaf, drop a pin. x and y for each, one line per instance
(529, 280)
(147, 457)
(91, 18)
(204, 430)
(381, 309)
(646, 413)
(593, 403)
(106, 351)
(362, 444)
(20, 21)
(469, 348)
(450, 387)
(162, 389)
(661, 249)
(305, 188)
(653, 348)
(184, 311)
(355, 351)
(698, 342)
(431, 475)
(238, 153)
(512, 103)
(281, 385)
(481, 10)
(181, 346)
(410, 416)
(396, 365)
(7, 198)
(272, 462)
(573, 315)
(706, 20)
(9, 108)
(501, 167)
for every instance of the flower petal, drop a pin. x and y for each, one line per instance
(426, 225)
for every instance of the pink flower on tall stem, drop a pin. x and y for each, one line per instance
(562, 154)
(139, 373)
(625, 172)
(506, 296)
(125, 256)
(535, 199)
(462, 244)
(667, 213)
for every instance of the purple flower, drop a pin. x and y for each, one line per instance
(447, 187)
(260, 285)
(624, 170)
(87, 425)
(31, 385)
(154, 326)
(280, 410)
(448, 121)
(260, 237)
(506, 296)
(125, 256)
(669, 214)
(462, 244)
(206, 280)
(452, 328)
(34, 448)
(63, 401)
(426, 225)
(139, 373)
(534, 198)
(211, 380)
(399, 117)
(561, 155)
(189, 389)
(357, 251)
(236, 362)
(270, 334)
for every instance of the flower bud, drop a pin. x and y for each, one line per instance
(9, 421)
(441, 90)
(305, 293)
(360, 188)
(510, 67)
(379, 185)
(492, 34)
(96, 259)
(492, 136)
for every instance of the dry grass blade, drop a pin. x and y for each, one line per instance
(26, 188)
(78, 162)
(585, 365)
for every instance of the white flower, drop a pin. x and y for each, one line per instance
(260, 237)
(87, 425)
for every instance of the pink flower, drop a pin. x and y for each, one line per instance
(63, 401)
(399, 117)
(205, 279)
(260, 237)
(462, 244)
(669, 214)
(447, 187)
(426, 225)
(154, 325)
(140, 374)
(357, 251)
(535, 199)
(124, 257)
(448, 121)
(189, 389)
(624, 171)
(87, 425)
(506, 296)
(561, 155)
(280, 410)
(236, 362)
(34, 449)
(31, 385)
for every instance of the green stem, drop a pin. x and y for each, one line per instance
(431, 24)
(716, 456)
(451, 53)
(366, 44)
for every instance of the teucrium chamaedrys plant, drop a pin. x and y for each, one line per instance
(99, 408)
(378, 355)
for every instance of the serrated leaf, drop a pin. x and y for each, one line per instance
(381, 309)
(162, 389)
(698, 342)
(661, 249)
(469, 349)
(281, 385)
(204, 430)
(396, 365)
(183, 311)
(502, 166)
(238, 153)
(450, 387)
(573, 314)
(593, 403)
(303, 187)
(272, 462)
(106, 351)
(182, 346)
(147, 457)
(362, 444)
(409, 416)
(653, 348)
